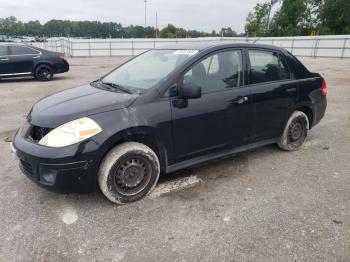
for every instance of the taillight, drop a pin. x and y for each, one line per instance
(62, 56)
(324, 87)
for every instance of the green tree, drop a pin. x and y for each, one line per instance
(256, 22)
(228, 32)
(301, 17)
(290, 19)
(335, 17)
(94, 29)
(33, 28)
(168, 32)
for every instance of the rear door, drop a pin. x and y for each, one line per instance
(218, 120)
(4, 60)
(274, 93)
(23, 58)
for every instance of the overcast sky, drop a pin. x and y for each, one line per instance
(204, 15)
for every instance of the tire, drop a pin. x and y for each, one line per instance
(43, 73)
(128, 172)
(295, 132)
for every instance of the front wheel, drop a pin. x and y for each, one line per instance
(43, 73)
(128, 172)
(295, 132)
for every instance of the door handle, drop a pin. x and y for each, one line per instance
(240, 100)
(4, 59)
(35, 57)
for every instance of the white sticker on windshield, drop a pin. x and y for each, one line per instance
(185, 52)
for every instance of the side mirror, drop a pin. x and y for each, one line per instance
(190, 91)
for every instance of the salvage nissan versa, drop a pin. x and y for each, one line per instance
(167, 109)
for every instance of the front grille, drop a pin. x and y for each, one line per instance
(36, 133)
(27, 167)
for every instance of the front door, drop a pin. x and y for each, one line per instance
(220, 119)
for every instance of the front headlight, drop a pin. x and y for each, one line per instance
(71, 133)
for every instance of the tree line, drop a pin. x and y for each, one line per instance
(299, 17)
(95, 29)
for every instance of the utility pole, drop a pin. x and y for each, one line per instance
(156, 25)
(145, 14)
(272, 3)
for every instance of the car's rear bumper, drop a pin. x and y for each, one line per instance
(64, 170)
(61, 67)
(319, 110)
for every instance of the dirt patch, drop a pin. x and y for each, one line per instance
(8, 135)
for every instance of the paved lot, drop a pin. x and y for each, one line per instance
(262, 205)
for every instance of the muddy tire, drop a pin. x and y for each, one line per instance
(128, 172)
(43, 73)
(295, 132)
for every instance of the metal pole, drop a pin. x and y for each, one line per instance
(268, 18)
(71, 48)
(272, 3)
(344, 46)
(145, 14)
(316, 48)
(89, 46)
(132, 47)
(156, 25)
(110, 48)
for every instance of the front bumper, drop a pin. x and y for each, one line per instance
(64, 170)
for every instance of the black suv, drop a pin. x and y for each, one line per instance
(165, 110)
(22, 60)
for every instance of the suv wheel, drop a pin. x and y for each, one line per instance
(43, 73)
(128, 172)
(295, 132)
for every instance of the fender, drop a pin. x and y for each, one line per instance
(142, 134)
(42, 62)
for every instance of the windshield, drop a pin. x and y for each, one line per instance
(146, 70)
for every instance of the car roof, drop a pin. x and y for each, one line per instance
(199, 45)
(26, 45)
(16, 44)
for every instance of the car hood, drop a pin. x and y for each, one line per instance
(74, 103)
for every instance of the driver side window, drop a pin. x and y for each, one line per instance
(217, 72)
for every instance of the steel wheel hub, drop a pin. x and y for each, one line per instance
(132, 175)
(296, 131)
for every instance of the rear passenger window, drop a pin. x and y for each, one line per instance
(217, 72)
(3, 50)
(22, 50)
(267, 66)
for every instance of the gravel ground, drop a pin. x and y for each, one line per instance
(261, 205)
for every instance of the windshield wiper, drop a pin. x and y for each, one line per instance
(116, 86)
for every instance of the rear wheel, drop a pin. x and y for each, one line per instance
(43, 73)
(295, 132)
(128, 172)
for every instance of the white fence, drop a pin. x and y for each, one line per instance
(309, 46)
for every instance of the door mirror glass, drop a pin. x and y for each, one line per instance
(190, 91)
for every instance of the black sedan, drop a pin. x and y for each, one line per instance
(22, 60)
(168, 109)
